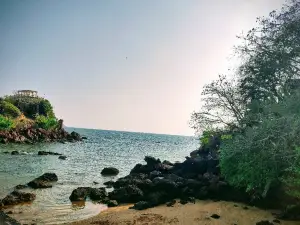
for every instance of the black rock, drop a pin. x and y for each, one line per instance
(215, 216)
(171, 203)
(97, 193)
(80, 194)
(184, 201)
(15, 153)
(112, 203)
(44, 181)
(264, 222)
(128, 194)
(17, 197)
(62, 157)
(48, 153)
(141, 205)
(110, 171)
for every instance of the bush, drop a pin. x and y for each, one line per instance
(9, 110)
(45, 108)
(260, 156)
(46, 122)
(30, 107)
(6, 123)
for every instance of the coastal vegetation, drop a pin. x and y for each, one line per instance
(23, 111)
(257, 108)
(27, 118)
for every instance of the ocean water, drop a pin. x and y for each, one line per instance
(85, 160)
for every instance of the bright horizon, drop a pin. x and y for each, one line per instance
(121, 65)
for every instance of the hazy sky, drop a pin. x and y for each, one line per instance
(135, 65)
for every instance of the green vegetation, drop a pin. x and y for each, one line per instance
(258, 107)
(24, 111)
(46, 122)
(6, 123)
(30, 106)
(9, 110)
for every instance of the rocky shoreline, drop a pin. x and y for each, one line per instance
(159, 182)
(35, 135)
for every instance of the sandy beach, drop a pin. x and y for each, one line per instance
(190, 214)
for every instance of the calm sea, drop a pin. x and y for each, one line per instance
(83, 166)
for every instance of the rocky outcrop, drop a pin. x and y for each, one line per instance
(110, 171)
(80, 194)
(17, 197)
(33, 135)
(157, 182)
(44, 181)
(48, 153)
(95, 194)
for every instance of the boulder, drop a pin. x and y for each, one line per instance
(80, 194)
(151, 161)
(75, 136)
(157, 197)
(171, 203)
(112, 203)
(141, 205)
(154, 174)
(15, 153)
(127, 194)
(97, 193)
(44, 181)
(110, 171)
(264, 222)
(17, 197)
(48, 153)
(62, 157)
(215, 216)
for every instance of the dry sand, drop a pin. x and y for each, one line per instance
(189, 214)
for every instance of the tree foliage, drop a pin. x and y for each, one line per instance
(258, 157)
(8, 109)
(223, 106)
(31, 107)
(271, 54)
(46, 123)
(260, 106)
(6, 123)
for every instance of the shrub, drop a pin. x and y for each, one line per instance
(46, 122)
(260, 155)
(45, 108)
(9, 110)
(6, 123)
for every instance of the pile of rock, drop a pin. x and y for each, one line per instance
(17, 197)
(33, 135)
(95, 194)
(44, 181)
(159, 182)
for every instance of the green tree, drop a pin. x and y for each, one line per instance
(259, 157)
(271, 54)
(8, 109)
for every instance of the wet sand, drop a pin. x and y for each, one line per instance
(190, 214)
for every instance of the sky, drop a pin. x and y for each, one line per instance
(129, 65)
